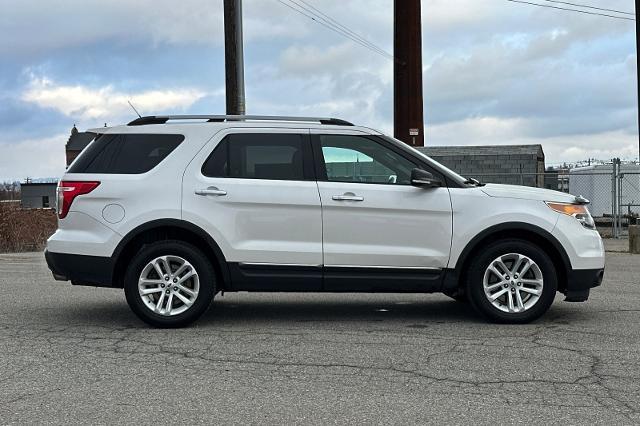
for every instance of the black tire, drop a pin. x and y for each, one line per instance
(206, 275)
(482, 260)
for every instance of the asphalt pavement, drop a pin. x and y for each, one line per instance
(78, 355)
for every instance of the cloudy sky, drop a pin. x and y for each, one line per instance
(495, 72)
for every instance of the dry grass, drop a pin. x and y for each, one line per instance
(25, 229)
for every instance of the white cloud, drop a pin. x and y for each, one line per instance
(36, 158)
(566, 148)
(105, 103)
(495, 72)
(305, 61)
(36, 26)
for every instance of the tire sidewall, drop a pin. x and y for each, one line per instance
(206, 276)
(475, 289)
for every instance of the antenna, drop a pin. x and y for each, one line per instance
(134, 108)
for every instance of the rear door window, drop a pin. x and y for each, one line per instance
(260, 156)
(125, 153)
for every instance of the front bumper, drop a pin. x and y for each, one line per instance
(580, 282)
(80, 269)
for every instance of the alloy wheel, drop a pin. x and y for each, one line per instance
(168, 285)
(513, 283)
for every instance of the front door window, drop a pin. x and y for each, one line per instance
(358, 159)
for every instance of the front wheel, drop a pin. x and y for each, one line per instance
(169, 284)
(512, 281)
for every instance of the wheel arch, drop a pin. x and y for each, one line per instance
(511, 230)
(163, 229)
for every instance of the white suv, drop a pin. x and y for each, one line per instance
(175, 209)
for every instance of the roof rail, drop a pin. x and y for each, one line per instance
(162, 119)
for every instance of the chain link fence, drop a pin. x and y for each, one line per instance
(628, 209)
(613, 189)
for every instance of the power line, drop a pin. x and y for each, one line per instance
(338, 28)
(341, 29)
(591, 7)
(333, 23)
(344, 27)
(571, 10)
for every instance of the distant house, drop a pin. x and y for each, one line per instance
(38, 195)
(76, 143)
(507, 164)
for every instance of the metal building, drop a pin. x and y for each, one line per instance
(507, 164)
(595, 183)
(38, 195)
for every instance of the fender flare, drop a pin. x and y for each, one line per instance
(219, 260)
(452, 281)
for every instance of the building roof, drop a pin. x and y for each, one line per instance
(39, 184)
(476, 150)
(624, 167)
(79, 140)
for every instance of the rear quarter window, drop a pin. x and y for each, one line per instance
(125, 153)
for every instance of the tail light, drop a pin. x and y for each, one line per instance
(68, 191)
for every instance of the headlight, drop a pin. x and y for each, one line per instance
(579, 211)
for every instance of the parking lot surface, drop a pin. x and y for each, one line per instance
(78, 355)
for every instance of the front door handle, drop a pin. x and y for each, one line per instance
(212, 190)
(347, 196)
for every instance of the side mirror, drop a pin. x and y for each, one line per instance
(424, 179)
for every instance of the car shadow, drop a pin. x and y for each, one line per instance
(269, 310)
(345, 311)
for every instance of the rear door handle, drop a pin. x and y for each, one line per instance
(348, 196)
(212, 190)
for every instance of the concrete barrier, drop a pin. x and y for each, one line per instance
(634, 239)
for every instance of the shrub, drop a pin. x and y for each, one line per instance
(25, 229)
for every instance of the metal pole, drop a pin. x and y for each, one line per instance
(407, 47)
(616, 198)
(620, 214)
(234, 57)
(521, 176)
(613, 198)
(638, 64)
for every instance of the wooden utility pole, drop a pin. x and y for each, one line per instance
(407, 47)
(234, 57)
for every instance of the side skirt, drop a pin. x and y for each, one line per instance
(273, 277)
(382, 280)
(336, 279)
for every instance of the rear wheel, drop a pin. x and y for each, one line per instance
(512, 281)
(169, 284)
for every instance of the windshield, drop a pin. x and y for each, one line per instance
(445, 170)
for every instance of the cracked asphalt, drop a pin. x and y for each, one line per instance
(78, 355)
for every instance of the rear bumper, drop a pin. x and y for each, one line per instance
(81, 269)
(580, 282)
